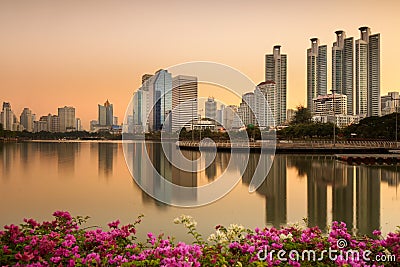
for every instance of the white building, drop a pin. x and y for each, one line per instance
(265, 104)
(276, 70)
(343, 68)
(329, 105)
(184, 101)
(316, 71)
(368, 101)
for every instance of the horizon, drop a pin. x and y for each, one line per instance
(74, 53)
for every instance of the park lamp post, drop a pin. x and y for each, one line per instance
(395, 109)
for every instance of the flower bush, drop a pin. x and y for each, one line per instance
(62, 242)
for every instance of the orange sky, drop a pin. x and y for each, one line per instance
(56, 53)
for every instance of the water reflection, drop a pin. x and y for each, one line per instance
(106, 158)
(332, 190)
(66, 155)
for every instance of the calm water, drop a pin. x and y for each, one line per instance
(93, 179)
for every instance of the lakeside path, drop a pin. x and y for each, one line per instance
(281, 147)
(312, 147)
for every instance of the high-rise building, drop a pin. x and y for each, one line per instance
(106, 114)
(8, 118)
(78, 124)
(316, 71)
(276, 70)
(368, 73)
(247, 108)
(184, 101)
(343, 68)
(152, 102)
(26, 119)
(265, 104)
(67, 119)
(211, 108)
(161, 100)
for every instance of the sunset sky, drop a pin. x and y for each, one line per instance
(80, 53)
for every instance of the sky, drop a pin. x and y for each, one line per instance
(81, 53)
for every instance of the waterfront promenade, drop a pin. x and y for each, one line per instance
(284, 146)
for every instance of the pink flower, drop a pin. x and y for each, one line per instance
(376, 232)
(114, 224)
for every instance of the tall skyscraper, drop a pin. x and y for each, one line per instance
(106, 114)
(276, 70)
(184, 101)
(67, 119)
(211, 108)
(343, 68)
(26, 119)
(152, 103)
(316, 71)
(368, 73)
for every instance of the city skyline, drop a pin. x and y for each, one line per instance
(87, 50)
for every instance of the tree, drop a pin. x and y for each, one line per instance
(302, 115)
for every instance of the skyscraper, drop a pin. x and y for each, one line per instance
(368, 73)
(8, 118)
(106, 114)
(26, 119)
(184, 101)
(265, 101)
(152, 103)
(211, 108)
(276, 70)
(316, 71)
(67, 119)
(342, 68)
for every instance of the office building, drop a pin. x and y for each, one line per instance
(211, 108)
(26, 119)
(368, 73)
(276, 70)
(67, 119)
(316, 71)
(343, 68)
(329, 105)
(106, 114)
(152, 103)
(184, 102)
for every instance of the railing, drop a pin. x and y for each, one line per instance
(296, 144)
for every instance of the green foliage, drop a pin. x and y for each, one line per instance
(309, 130)
(302, 116)
(375, 127)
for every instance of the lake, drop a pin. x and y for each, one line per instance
(92, 178)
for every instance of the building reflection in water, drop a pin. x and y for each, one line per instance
(106, 158)
(148, 176)
(347, 193)
(343, 194)
(368, 202)
(273, 188)
(66, 155)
